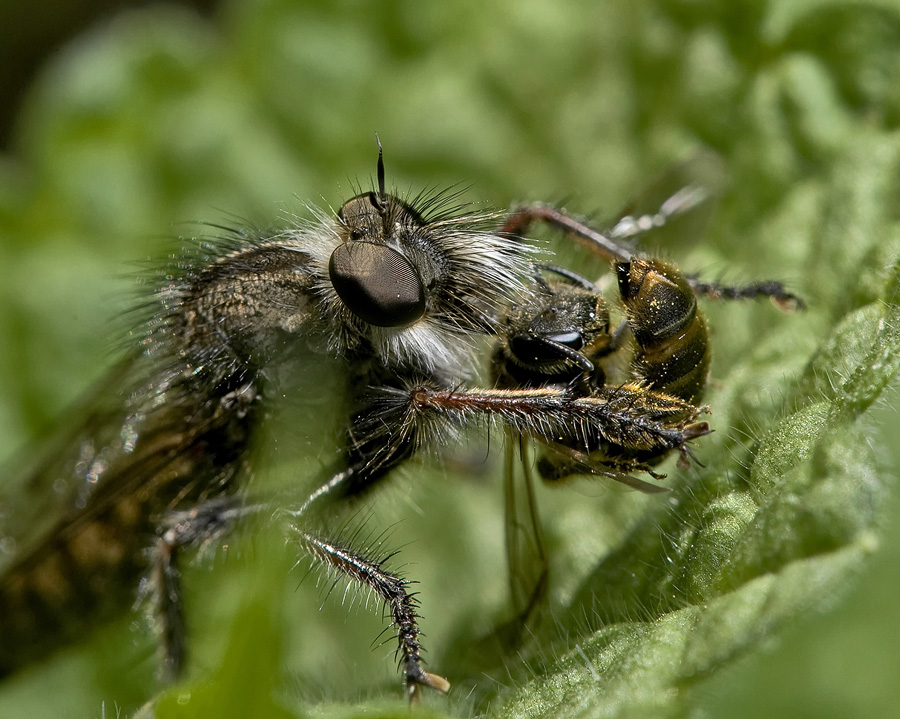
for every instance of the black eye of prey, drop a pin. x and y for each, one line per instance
(377, 284)
(541, 350)
(572, 339)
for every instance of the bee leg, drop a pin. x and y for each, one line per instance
(775, 291)
(347, 563)
(560, 463)
(683, 201)
(199, 526)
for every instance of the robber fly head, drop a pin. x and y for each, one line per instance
(414, 280)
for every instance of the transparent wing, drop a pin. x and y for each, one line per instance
(53, 478)
(118, 441)
(525, 553)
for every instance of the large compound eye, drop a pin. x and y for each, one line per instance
(377, 283)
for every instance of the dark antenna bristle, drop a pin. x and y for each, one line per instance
(380, 167)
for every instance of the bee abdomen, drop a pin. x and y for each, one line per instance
(672, 343)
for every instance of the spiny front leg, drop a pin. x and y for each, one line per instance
(629, 416)
(392, 589)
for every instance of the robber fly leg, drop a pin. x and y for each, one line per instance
(350, 481)
(366, 461)
(333, 487)
(522, 218)
(199, 526)
(402, 605)
(611, 244)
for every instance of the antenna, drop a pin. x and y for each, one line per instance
(380, 167)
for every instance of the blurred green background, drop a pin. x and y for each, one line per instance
(150, 117)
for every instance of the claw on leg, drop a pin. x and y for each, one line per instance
(391, 589)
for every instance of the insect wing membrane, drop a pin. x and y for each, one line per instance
(525, 553)
(102, 491)
(52, 478)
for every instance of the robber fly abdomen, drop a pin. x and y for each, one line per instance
(177, 441)
(88, 566)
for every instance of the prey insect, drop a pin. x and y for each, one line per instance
(655, 364)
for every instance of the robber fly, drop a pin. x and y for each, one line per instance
(395, 292)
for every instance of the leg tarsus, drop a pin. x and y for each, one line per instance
(391, 588)
(775, 291)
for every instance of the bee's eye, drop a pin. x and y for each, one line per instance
(572, 339)
(541, 350)
(377, 284)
